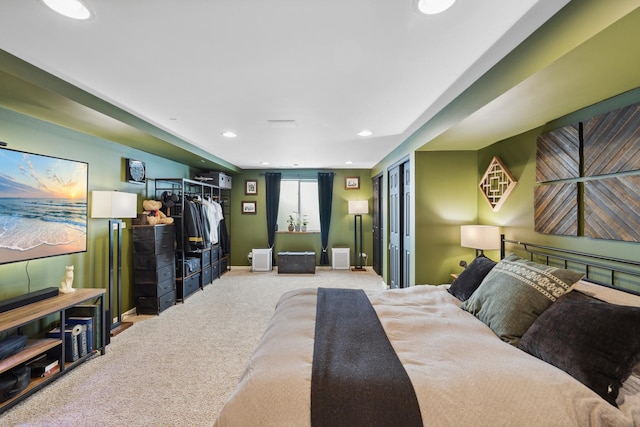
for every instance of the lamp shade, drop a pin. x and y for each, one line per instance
(480, 236)
(358, 207)
(113, 204)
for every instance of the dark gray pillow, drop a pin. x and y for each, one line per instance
(469, 280)
(596, 342)
(515, 292)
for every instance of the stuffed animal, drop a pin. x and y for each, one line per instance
(154, 214)
(66, 284)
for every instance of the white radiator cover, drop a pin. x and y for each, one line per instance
(261, 260)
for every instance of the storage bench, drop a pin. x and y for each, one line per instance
(296, 262)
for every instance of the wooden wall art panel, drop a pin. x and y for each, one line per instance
(612, 208)
(497, 183)
(556, 209)
(558, 154)
(612, 142)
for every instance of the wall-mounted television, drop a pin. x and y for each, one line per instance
(43, 206)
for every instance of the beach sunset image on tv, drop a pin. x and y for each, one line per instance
(43, 206)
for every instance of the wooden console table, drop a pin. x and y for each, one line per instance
(22, 316)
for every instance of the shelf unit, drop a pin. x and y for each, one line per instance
(209, 262)
(19, 317)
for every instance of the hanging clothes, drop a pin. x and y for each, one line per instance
(205, 224)
(215, 215)
(192, 217)
(225, 243)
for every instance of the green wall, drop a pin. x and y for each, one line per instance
(516, 217)
(446, 196)
(106, 172)
(250, 231)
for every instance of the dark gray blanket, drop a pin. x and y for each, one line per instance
(357, 378)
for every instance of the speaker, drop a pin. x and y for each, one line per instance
(19, 301)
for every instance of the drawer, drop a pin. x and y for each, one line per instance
(215, 271)
(154, 276)
(153, 305)
(188, 286)
(222, 265)
(207, 276)
(206, 258)
(215, 253)
(154, 239)
(154, 289)
(154, 232)
(148, 261)
(163, 245)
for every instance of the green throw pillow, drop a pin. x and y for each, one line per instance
(515, 293)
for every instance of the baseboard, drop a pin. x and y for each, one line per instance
(131, 312)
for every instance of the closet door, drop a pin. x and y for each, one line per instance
(395, 216)
(406, 225)
(377, 224)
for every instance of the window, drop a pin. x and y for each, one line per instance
(299, 198)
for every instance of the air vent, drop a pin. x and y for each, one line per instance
(282, 124)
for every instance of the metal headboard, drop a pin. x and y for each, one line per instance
(617, 273)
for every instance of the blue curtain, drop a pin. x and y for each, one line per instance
(272, 191)
(325, 199)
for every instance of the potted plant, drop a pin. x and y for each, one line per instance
(305, 221)
(290, 221)
(295, 222)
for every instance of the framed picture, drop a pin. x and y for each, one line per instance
(250, 187)
(249, 208)
(352, 183)
(44, 212)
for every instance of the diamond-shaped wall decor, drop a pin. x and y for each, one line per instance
(497, 183)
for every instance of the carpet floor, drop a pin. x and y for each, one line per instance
(178, 368)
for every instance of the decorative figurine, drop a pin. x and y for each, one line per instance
(66, 285)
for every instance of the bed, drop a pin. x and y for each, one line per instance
(487, 350)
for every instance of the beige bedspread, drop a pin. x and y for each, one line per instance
(462, 373)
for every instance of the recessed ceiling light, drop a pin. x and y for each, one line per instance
(432, 7)
(229, 134)
(264, 163)
(348, 162)
(365, 132)
(70, 8)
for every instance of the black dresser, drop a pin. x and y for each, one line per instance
(154, 267)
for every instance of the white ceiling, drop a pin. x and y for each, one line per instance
(197, 68)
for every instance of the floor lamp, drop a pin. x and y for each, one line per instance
(358, 208)
(115, 205)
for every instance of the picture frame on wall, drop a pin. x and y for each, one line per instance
(250, 187)
(352, 183)
(248, 208)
